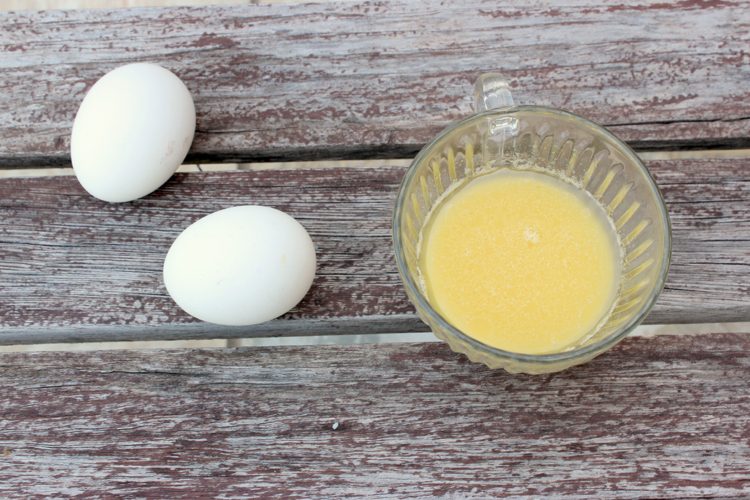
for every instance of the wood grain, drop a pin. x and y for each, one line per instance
(74, 269)
(368, 79)
(655, 418)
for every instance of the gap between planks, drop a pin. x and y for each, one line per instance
(644, 331)
(322, 164)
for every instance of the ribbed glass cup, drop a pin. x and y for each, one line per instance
(555, 142)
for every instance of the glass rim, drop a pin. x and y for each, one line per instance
(426, 307)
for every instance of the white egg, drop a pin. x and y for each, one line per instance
(132, 131)
(240, 266)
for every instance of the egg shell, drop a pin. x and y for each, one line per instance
(240, 266)
(132, 130)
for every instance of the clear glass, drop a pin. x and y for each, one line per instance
(502, 135)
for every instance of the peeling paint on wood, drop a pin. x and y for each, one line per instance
(379, 79)
(654, 418)
(664, 417)
(74, 269)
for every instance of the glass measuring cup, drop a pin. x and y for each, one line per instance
(503, 135)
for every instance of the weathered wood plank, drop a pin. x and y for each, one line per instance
(666, 417)
(74, 269)
(379, 79)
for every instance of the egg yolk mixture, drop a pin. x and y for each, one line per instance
(521, 261)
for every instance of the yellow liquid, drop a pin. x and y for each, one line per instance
(521, 261)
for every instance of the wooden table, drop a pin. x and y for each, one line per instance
(658, 417)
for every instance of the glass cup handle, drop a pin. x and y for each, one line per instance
(491, 91)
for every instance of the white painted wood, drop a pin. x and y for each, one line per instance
(361, 79)
(75, 269)
(660, 418)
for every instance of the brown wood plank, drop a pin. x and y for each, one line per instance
(73, 268)
(666, 417)
(379, 79)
